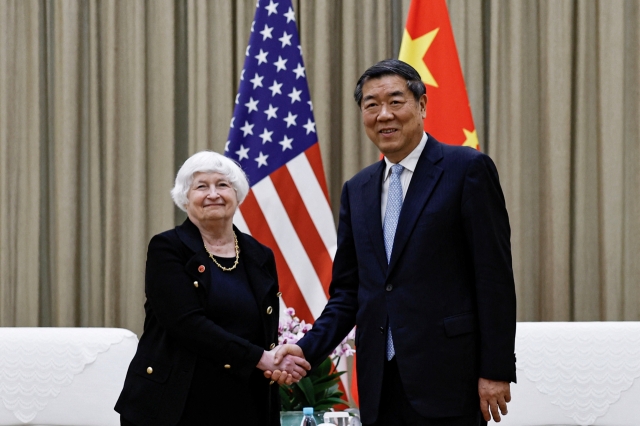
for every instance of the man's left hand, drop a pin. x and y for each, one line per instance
(494, 396)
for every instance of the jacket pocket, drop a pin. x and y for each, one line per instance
(151, 369)
(459, 324)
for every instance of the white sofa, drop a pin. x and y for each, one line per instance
(581, 373)
(63, 376)
(576, 373)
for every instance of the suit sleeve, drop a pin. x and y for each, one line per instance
(339, 316)
(488, 236)
(179, 311)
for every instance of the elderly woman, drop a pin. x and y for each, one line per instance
(211, 313)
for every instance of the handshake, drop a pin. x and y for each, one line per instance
(284, 364)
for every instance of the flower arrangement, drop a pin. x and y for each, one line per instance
(319, 389)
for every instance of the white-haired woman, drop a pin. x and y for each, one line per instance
(211, 313)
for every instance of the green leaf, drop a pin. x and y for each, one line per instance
(322, 386)
(306, 387)
(318, 390)
(331, 378)
(334, 389)
(324, 368)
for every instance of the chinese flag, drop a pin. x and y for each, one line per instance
(429, 47)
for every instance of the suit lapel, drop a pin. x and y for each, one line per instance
(372, 190)
(189, 234)
(423, 181)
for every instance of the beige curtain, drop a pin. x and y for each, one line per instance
(564, 129)
(87, 157)
(101, 101)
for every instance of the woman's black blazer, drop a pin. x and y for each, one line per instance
(176, 330)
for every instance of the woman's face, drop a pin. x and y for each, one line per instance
(211, 198)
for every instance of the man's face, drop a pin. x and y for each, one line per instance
(392, 118)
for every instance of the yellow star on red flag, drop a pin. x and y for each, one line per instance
(471, 139)
(412, 51)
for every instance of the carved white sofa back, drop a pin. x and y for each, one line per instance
(576, 373)
(63, 376)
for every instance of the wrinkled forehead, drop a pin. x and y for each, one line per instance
(384, 86)
(208, 176)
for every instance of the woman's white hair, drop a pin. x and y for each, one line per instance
(208, 162)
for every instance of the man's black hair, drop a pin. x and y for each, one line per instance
(392, 67)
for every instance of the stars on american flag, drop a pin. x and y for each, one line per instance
(294, 95)
(290, 15)
(299, 71)
(281, 64)
(261, 159)
(271, 112)
(285, 39)
(242, 153)
(286, 143)
(247, 129)
(290, 119)
(256, 81)
(266, 33)
(266, 136)
(275, 88)
(252, 105)
(273, 117)
(310, 126)
(272, 7)
(262, 57)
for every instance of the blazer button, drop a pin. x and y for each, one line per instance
(279, 294)
(269, 310)
(227, 366)
(149, 370)
(271, 346)
(389, 287)
(195, 284)
(381, 330)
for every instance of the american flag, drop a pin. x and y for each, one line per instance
(273, 137)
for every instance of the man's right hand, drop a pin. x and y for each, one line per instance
(289, 353)
(288, 350)
(494, 396)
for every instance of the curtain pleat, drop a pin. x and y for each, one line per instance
(102, 101)
(20, 128)
(556, 45)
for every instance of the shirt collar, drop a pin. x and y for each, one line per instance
(410, 161)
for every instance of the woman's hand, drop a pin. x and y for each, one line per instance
(289, 370)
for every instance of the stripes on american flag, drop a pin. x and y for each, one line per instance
(273, 137)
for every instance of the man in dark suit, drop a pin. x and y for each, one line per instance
(423, 268)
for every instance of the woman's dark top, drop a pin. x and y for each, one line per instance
(205, 331)
(231, 305)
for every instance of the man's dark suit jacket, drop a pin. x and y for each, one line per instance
(177, 332)
(448, 291)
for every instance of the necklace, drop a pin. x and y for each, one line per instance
(235, 239)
